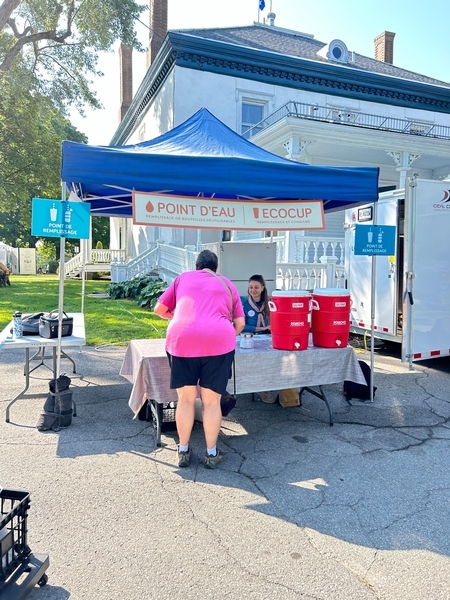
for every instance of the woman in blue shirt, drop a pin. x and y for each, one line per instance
(256, 306)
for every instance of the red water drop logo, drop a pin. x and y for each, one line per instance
(149, 207)
(256, 213)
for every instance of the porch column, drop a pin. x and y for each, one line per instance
(88, 249)
(296, 151)
(296, 148)
(290, 250)
(403, 160)
(328, 277)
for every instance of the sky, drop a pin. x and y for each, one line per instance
(421, 41)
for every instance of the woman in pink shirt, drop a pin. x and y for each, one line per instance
(206, 315)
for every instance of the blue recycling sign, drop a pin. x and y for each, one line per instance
(375, 240)
(55, 218)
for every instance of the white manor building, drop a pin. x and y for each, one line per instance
(317, 102)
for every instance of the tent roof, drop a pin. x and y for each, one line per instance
(204, 157)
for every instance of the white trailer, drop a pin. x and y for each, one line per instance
(411, 288)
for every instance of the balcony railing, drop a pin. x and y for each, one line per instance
(352, 118)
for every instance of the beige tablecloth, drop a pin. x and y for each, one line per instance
(258, 369)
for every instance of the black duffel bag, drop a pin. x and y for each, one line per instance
(48, 325)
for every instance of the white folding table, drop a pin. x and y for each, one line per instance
(40, 345)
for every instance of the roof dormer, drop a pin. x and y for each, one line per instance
(336, 51)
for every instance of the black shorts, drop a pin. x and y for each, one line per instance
(212, 372)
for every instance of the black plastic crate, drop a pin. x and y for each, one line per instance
(14, 550)
(166, 414)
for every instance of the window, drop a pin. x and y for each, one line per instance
(251, 108)
(252, 113)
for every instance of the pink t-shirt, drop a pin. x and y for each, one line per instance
(201, 323)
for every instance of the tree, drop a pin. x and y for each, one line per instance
(57, 43)
(31, 131)
(48, 51)
(100, 232)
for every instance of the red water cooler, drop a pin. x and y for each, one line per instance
(330, 318)
(290, 319)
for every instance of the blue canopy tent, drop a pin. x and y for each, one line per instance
(204, 157)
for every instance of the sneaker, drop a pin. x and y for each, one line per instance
(184, 458)
(211, 461)
(267, 397)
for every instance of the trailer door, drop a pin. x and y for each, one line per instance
(359, 275)
(427, 305)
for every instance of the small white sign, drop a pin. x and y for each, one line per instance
(207, 213)
(27, 261)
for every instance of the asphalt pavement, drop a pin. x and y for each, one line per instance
(298, 509)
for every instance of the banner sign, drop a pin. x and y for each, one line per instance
(211, 213)
(54, 218)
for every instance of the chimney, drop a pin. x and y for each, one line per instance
(158, 10)
(384, 47)
(126, 79)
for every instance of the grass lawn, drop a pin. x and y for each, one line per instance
(107, 321)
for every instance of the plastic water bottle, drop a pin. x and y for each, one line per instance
(17, 325)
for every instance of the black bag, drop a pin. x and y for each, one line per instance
(227, 403)
(30, 323)
(48, 325)
(58, 407)
(227, 400)
(357, 390)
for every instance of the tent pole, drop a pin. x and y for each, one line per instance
(372, 307)
(62, 260)
(83, 273)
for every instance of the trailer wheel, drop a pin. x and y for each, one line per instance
(43, 580)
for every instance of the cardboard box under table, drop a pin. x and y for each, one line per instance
(258, 369)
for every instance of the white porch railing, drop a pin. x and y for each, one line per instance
(311, 250)
(100, 261)
(170, 261)
(107, 256)
(308, 276)
(73, 266)
(140, 266)
(174, 260)
(308, 249)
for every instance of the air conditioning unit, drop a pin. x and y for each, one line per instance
(419, 128)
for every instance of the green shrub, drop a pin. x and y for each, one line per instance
(150, 293)
(53, 267)
(145, 290)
